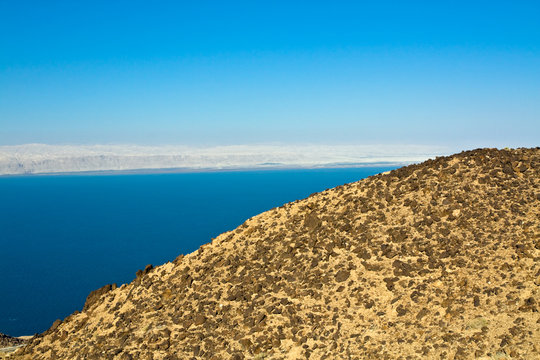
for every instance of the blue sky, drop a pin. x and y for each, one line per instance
(461, 74)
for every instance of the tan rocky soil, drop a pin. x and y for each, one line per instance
(439, 260)
(6, 340)
(9, 344)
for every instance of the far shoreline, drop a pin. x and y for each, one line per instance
(161, 171)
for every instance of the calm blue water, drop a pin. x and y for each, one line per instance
(63, 236)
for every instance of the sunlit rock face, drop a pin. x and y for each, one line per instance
(436, 260)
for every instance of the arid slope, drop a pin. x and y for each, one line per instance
(436, 260)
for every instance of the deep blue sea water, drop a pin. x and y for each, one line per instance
(64, 236)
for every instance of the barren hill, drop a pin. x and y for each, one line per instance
(436, 260)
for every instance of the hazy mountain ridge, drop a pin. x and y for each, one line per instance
(40, 158)
(435, 260)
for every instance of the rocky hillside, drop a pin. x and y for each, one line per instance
(8, 345)
(436, 260)
(6, 341)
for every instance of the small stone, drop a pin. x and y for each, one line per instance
(401, 310)
(199, 319)
(342, 275)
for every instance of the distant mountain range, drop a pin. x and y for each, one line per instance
(42, 159)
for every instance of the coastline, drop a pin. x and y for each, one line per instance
(31, 159)
(187, 170)
(135, 207)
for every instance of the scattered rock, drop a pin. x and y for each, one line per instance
(342, 275)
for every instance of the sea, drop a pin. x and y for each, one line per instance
(62, 236)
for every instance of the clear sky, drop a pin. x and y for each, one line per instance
(457, 73)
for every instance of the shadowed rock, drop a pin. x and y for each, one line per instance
(95, 295)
